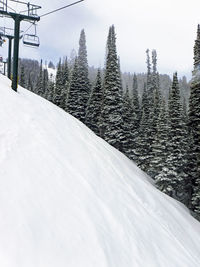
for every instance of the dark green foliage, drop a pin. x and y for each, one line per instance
(51, 65)
(172, 178)
(129, 117)
(83, 80)
(39, 85)
(136, 103)
(142, 149)
(22, 77)
(111, 126)
(30, 84)
(73, 96)
(45, 80)
(194, 121)
(49, 92)
(58, 94)
(65, 72)
(94, 106)
(160, 143)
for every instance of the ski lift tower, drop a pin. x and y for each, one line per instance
(28, 15)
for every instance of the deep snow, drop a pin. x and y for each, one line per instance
(68, 199)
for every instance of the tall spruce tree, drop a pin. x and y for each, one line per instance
(83, 79)
(135, 102)
(49, 93)
(39, 84)
(172, 178)
(22, 77)
(128, 117)
(45, 81)
(58, 94)
(142, 150)
(94, 106)
(194, 121)
(30, 84)
(74, 93)
(111, 121)
(136, 116)
(159, 146)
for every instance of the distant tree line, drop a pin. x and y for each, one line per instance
(152, 127)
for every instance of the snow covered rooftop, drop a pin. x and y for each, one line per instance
(67, 198)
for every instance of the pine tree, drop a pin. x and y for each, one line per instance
(136, 116)
(155, 75)
(83, 80)
(142, 150)
(188, 159)
(39, 85)
(74, 93)
(136, 103)
(194, 120)
(22, 77)
(172, 178)
(94, 106)
(159, 146)
(30, 85)
(65, 82)
(65, 71)
(128, 117)
(58, 94)
(45, 77)
(49, 93)
(111, 126)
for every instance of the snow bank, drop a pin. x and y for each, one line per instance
(67, 198)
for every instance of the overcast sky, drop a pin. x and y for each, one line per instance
(167, 26)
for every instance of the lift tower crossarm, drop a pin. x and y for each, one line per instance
(17, 18)
(21, 16)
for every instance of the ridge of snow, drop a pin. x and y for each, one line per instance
(67, 198)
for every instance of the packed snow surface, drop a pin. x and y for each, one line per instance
(68, 199)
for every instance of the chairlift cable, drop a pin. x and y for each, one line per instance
(32, 23)
(58, 9)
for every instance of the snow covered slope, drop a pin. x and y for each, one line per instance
(68, 199)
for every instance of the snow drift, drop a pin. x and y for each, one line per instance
(67, 198)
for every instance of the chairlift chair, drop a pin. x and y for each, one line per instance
(31, 40)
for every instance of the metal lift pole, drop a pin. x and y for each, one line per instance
(16, 52)
(9, 55)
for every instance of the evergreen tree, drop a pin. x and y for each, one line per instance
(172, 178)
(30, 85)
(188, 159)
(65, 82)
(49, 93)
(74, 93)
(45, 77)
(142, 150)
(136, 103)
(58, 96)
(22, 77)
(65, 72)
(111, 125)
(194, 120)
(93, 112)
(39, 85)
(83, 80)
(159, 146)
(155, 75)
(128, 117)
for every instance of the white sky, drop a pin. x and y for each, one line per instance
(167, 26)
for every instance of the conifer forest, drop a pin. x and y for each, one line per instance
(151, 118)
